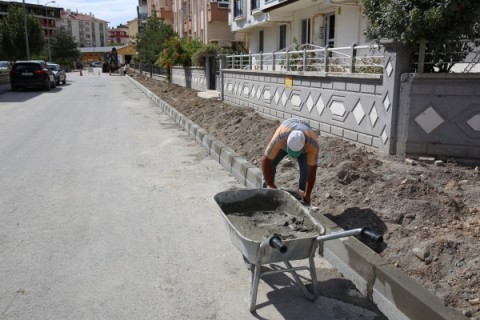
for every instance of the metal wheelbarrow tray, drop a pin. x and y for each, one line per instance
(259, 248)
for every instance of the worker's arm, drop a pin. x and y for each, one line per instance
(267, 172)
(312, 175)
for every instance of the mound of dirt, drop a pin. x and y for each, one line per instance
(429, 213)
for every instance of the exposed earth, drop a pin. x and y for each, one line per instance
(429, 213)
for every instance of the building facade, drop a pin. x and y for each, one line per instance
(273, 25)
(118, 35)
(206, 20)
(48, 16)
(86, 29)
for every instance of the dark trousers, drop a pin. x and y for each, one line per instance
(302, 164)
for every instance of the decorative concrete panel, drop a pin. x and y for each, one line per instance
(389, 68)
(474, 122)
(309, 103)
(246, 90)
(296, 100)
(384, 136)
(386, 102)
(267, 95)
(429, 120)
(358, 112)
(284, 99)
(373, 116)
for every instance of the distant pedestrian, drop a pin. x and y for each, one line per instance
(294, 137)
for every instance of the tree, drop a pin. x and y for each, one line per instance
(149, 42)
(64, 48)
(12, 35)
(449, 27)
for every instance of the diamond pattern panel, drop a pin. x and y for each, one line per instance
(358, 112)
(373, 116)
(474, 122)
(429, 120)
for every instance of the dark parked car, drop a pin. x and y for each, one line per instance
(58, 72)
(31, 74)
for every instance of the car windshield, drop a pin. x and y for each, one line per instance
(52, 67)
(4, 64)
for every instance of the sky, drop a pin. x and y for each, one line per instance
(114, 11)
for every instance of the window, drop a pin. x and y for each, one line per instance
(330, 30)
(238, 8)
(306, 30)
(255, 4)
(260, 41)
(222, 3)
(283, 37)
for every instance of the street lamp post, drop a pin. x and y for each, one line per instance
(48, 32)
(26, 30)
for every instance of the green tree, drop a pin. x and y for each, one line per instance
(64, 48)
(443, 24)
(149, 42)
(12, 35)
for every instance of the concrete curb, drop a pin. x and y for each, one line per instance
(396, 294)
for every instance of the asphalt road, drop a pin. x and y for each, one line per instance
(107, 213)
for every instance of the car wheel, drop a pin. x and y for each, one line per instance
(53, 84)
(57, 82)
(64, 80)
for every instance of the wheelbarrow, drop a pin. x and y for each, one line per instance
(261, 244)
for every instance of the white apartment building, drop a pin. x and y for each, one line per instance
(273, 25)
(87, 30)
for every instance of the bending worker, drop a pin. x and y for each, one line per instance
(297, 139)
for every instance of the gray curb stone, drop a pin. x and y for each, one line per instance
(397, 296)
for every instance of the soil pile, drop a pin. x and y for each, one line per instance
(429, 214)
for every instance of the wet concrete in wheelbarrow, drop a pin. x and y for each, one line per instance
(260, 225)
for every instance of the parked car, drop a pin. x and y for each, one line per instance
(4, 65)
(58, 72)
(31, 74)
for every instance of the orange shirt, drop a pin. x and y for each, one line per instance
(279, 140)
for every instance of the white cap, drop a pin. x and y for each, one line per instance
(296, 140)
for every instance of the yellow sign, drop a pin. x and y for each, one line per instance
(288, 82)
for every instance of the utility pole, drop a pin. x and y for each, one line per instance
(26, 30)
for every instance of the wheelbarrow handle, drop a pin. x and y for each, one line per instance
(276, 242)
(364, 232)
(369, 233)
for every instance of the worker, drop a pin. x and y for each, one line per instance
(297, 139)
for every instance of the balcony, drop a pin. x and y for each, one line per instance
(216, 13)
(166, 13)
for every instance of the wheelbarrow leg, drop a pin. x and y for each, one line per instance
(255, 271)
(310, 295)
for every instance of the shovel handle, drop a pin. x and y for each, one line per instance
(276, 242)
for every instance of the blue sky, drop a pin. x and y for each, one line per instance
(113, 11)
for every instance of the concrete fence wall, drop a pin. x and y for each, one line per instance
(395, 113)
(194, 78)
(440, 115)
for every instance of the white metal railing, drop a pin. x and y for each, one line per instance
(311, 58)
(452, 60)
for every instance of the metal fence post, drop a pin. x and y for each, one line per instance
(261, 60)
(304, 59)
(250, 67)
(288, 60)
(273, 60)
(325, 61)
(353, 54)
